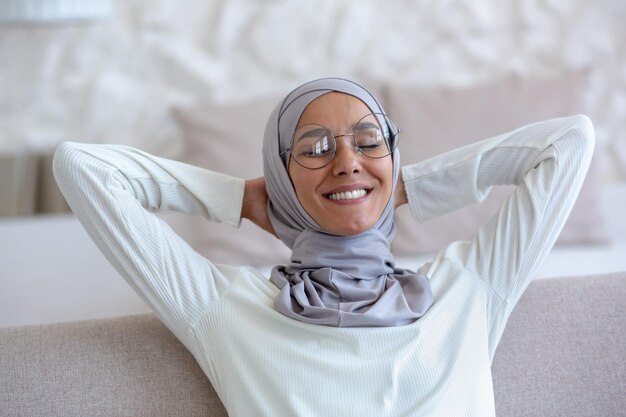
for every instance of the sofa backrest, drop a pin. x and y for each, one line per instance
(562, 354)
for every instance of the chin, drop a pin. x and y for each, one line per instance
(351, 229)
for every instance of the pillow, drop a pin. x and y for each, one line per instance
(228, 139)
(440, 119)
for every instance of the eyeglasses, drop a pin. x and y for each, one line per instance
(313, 146)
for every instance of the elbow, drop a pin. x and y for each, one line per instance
(68, 165)
(581, 135)
(584, 125)
(62, 161)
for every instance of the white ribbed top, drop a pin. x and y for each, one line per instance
(264, 364)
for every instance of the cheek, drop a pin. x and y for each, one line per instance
(301, 193)
(385, 174)
(304, 183)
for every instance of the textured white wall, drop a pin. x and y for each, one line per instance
(116, 80)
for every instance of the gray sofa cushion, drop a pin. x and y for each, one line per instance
(562, 354)
(128, 366)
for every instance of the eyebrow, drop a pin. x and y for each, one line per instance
(366, 125)
(311, 133)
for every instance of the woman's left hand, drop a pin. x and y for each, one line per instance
(399, 196)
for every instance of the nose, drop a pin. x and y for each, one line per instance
(347, 160)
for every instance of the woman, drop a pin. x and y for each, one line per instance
(340, 330)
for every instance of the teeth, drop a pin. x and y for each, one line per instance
(348, 195)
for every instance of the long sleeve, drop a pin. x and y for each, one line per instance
(547, 161)
(114, 190)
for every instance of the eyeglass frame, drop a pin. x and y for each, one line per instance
(356, 146)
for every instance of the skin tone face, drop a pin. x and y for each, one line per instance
(369, 180)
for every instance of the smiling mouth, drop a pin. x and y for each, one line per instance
(347, 195)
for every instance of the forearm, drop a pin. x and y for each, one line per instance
(86, 174)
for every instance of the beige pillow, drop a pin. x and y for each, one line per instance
(228, 139)
(438, 120)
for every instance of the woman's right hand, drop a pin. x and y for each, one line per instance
(254, 207)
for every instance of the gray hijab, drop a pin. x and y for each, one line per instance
(342, 281)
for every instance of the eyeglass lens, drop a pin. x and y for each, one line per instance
(314, 146)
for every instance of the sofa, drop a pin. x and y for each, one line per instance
(563, 353)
